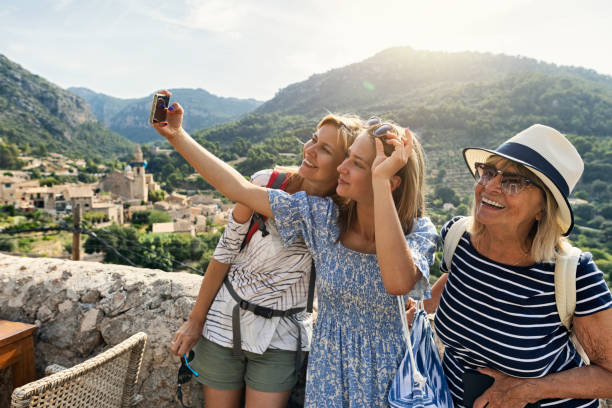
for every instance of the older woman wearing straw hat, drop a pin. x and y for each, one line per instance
(497, 315)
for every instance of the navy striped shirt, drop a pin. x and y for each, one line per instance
(505, 317)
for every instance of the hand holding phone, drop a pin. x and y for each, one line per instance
(475, 384)
(158, 108)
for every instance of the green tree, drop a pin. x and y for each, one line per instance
(9, 156)
(157, 216)
(446, 194)
(584, 212)
(141, 217)
(156, 195)
(240, 146)
(605, 211)
(40, 150)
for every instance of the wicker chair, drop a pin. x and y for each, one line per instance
(107, 380)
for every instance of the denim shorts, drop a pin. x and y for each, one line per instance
(272, 371)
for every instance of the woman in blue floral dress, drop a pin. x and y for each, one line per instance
(357, 344)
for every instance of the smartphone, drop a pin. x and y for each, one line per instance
(475, 383)
(158, 108)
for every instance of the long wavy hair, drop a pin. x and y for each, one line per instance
(409, 197)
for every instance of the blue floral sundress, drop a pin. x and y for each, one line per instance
(357, 342)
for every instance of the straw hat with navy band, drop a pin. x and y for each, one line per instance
(549, 155)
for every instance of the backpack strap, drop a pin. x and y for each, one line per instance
(311, 287)
(451, 240)
(277, 181)
(565, 284)
(565, 293)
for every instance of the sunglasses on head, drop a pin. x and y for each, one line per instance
(185, 373)
(382, 129)
(511, 183)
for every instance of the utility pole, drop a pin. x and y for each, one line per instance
(76, 235)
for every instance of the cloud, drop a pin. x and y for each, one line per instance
(216, 16)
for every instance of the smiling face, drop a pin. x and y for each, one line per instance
(516, 213)
(355, 180)
(321, 156)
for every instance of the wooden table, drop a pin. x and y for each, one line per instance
(17, 350)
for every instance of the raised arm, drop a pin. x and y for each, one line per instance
(398, 270)
(219, 174)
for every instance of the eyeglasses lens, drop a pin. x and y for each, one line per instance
(511, 184)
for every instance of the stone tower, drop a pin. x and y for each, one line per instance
(139, 184)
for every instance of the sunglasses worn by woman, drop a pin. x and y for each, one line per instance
(511, 183)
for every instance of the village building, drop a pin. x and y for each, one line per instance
(112, 212)
(133, 184)
(180, 227)
(7, 189)
(177, 199)
(161, 206)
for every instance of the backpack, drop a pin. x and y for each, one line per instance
(565, 277)
(277, 181)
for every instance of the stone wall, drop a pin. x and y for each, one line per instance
(83, 308)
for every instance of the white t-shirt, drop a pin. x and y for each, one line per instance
(267, 274)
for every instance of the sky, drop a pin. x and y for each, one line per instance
(252, 49)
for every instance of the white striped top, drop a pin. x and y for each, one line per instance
(505, 317)
(267, 274)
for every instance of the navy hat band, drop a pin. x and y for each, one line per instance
(534, 159)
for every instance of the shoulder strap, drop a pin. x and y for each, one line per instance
(451, 240)
(565, 284)
(565, 292)
(311, 287)
(278, 181)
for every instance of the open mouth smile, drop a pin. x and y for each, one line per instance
(491, 203)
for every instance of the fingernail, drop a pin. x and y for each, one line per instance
(171, 108)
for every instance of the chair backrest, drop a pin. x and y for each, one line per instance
(107, 380)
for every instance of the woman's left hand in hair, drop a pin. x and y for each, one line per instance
(506, 391)
(385, 167)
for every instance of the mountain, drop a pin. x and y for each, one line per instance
(129, 117)
(402, 76)
(36, 112)
(451, 100)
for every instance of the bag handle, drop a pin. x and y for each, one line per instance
(417, 377)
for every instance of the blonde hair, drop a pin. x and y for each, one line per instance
(349, 127)
(409, 197)
(546, 234)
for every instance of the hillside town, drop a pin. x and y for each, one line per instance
(114, 198)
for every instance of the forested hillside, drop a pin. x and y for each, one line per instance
(36, 113)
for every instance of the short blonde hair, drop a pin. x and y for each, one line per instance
(546, 234)
(409, 197)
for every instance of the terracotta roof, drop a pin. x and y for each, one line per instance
(79, 192)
